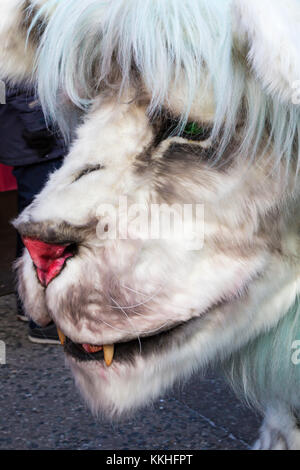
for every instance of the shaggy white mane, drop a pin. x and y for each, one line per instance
(191, 44)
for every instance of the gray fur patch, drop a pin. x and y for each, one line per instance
(53, 232)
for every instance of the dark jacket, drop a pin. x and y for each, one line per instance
(24, 137)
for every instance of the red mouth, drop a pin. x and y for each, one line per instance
(90, 348)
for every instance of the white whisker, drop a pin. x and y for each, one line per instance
(140, 345)
(126, 307)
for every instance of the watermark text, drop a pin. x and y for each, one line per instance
(296, 353)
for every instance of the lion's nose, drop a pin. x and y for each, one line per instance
(49, 259)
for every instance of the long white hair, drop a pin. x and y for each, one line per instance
(169, 43)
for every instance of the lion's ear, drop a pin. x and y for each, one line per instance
(269, 30)
(17, 49)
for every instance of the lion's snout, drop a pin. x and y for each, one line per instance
(49, 259)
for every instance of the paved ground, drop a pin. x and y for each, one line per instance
(41, 409)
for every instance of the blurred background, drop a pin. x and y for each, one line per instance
(8, 210)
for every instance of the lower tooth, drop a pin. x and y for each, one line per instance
(108, 351)
(61, 336)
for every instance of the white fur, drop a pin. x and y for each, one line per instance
(17, 55)
(217, 334)
(272, 29)
(15, 65)
(199, 279)
(279, 430)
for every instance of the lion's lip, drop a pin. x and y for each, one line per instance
(87, 351)
(83, 352)
(122, 351)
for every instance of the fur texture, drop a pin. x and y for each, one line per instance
(262, 374)
(181, 45)
(17, 53)
(133, 67)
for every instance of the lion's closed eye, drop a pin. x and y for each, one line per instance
(171, 127)
(87, 170)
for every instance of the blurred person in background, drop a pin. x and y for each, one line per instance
(34, 151)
